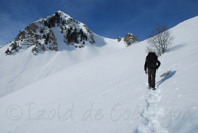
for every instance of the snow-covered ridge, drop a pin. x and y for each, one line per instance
(103, 94)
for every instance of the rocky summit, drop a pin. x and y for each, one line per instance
(39, 35)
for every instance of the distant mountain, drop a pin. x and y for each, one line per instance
(40, 35)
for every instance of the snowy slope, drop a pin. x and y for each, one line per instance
(20, 67)
(109, 93)
(179, 89)
(17, 67)
(174, 105)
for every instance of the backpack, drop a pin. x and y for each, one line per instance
(151, 60)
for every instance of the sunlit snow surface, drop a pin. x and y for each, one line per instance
(101, 88)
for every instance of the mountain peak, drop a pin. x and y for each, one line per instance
(60, 11)
(40, 36)
(62, 14)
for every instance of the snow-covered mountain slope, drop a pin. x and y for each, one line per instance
(58, 41)
(109, 93)
(23, 68)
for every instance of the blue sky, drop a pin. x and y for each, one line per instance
(108, 18)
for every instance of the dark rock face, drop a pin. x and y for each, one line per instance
(130, 39)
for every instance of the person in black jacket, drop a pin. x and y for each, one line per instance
(151, 63)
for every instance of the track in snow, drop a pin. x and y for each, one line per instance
(151, 114)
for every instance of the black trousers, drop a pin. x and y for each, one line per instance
(151, 77)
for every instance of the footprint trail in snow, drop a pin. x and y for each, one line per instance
(151, 114)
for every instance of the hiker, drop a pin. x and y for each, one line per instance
(152, 63)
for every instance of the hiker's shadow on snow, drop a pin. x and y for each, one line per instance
(170, 75)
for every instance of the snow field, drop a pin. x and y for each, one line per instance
(107, 93)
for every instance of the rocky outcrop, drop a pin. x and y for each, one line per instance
(130, 39)
(119, 39)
